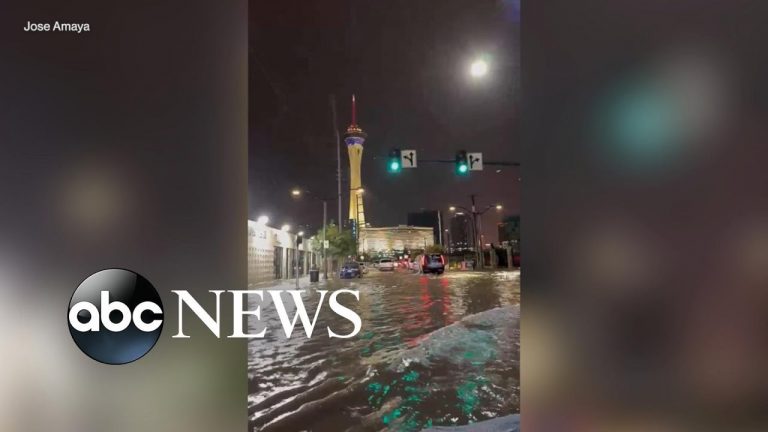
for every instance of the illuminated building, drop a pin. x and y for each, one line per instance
(388, 240)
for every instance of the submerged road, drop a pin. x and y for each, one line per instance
(433, 351)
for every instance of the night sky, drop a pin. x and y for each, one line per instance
(407, 62)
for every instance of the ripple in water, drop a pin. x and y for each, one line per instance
(416, 363)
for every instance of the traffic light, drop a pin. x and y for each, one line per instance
(394, 164)
(462, 165)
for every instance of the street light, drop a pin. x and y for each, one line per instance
(285, 228)
(475, 215)
(262, 220)
(296, 193)
(478, 68)
(301, 234)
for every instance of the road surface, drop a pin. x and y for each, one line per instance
(433, 351)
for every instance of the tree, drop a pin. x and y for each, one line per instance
(340, 244)
(434, 249)
(365, 257)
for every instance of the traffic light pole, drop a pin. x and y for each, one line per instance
(477, 236)
(452, 161)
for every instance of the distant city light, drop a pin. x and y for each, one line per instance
(262, 220)
(478, 68)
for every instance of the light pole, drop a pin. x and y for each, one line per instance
(337, 138)
(477, 226)
(297, 193)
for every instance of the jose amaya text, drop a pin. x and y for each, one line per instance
(57, 27)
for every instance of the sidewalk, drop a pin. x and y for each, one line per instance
(290, 283)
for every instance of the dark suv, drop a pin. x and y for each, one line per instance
(432, 263)
(350, 270)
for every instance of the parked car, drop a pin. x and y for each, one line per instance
(350, 270)
(386, 265)
(432, 263)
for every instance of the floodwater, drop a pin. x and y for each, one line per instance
(420, 359)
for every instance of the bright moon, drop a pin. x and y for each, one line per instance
(478, 68)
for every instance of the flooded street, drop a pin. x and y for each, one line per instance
(433, 351)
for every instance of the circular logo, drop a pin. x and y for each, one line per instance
(115, 316)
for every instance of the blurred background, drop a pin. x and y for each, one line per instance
(121, 147)
(646, 246)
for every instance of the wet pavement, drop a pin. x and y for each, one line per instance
(433, 351)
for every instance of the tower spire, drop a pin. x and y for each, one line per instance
(355, 138)
(353, 128)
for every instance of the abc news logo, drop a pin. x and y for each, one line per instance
(116, 316)
(127, 322)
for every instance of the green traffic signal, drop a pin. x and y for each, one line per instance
(462, 166)
(393, 161)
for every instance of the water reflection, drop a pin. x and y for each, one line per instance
(398, 373)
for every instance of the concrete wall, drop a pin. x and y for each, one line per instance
(271, 253)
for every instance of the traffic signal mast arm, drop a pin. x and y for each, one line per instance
(454, 161)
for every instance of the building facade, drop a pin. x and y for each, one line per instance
(390, 240)
(509, 229)
(273, 254)
(460, 233)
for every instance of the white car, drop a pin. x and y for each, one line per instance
(386, 265)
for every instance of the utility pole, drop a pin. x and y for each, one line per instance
(440, 228)
(478, 250)
(325, 223)
(338, 154)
